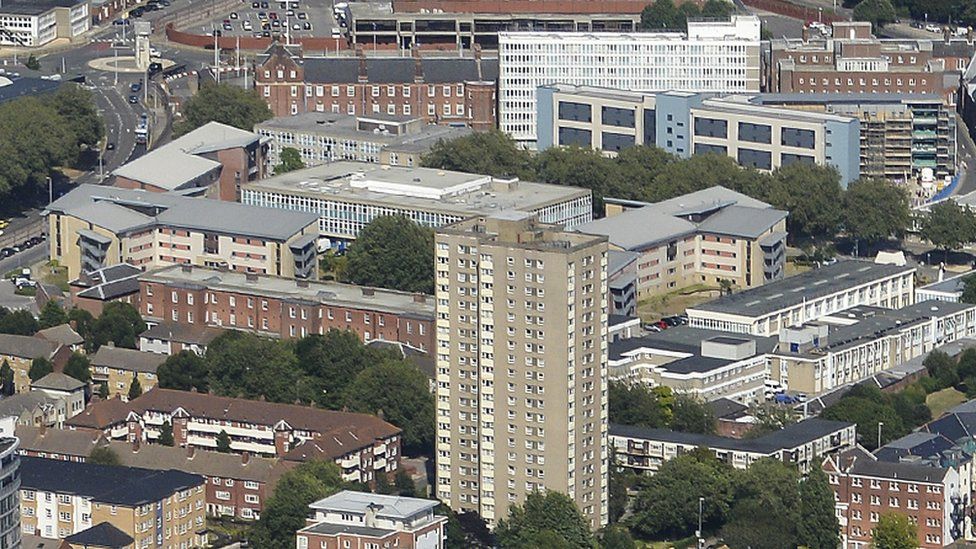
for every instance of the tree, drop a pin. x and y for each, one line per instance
(765, 512)
(948, 225)
(290, 160)
(400, 393)
(103, 390)
(393, 252)
(285, 511)
(691, 415)
(660, 15)
(166, 435)
(491, 153)
(968, 290)
(120, 323)
(223, 442)
(875, 210)
(666, 507)
(103, 455)
(716, 9)
(223, 103)
(579, 167)
(616, 536)
(553, 515)
(878, 12)
(32, 63)
(78, 367)
(940, 366)
(185, 371)
(52, 314)
(867, 414)
(245, 365)
(82, 321)
(135, 388)
(76, 106)
(19, 322)
(621, 480)
(769, 419)
(817, 527)
(638, 404)
(895, 531)
(405, 486)
(811, 194)
(40, 367)
(330, 363)
(7, 386)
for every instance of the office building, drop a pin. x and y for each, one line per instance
(379, 139)
(463, 29)
(854, 344)
(441, 89)
(545, 426)
(712, 56)
(806, 297)
(282, 308)
(866, 488)
(707, 364)
(900, 134)
(755, 134)
(361, 519)
(117, 368)
(33, 23)
(945, 289)
(348, 195)
(804, 444)
(156, 508)
(361, 444)
(213, 160)
(93, 227)
(702, 237)
(852, 60)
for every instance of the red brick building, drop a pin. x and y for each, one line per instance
(91, 291)
(284, 308)
(442, 90)
(853, 61)
(867, 488)
(362, 445)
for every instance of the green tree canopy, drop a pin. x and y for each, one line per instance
(490, 153)
(40, 367)
(393, 252)
(949, 225)
(52, 314)
(285, 511)
(400, 394)
(969, 290)
(875, 210)
(552, 517)
(578, 167)
(895, 531)
(245, 365)
(223, 103)
(119, 323)
(867, 414)
(223, 442)
(878, 12)
(765, 512)
(166, 435)
(638, 404)
(19, 322)
(185, 371)
(76, 106)
(616, 536)
(135, 388)
(331, 362)
(103, 455)
(7, 386)
(660, 15)
(817, 525)
(290, 160)
(78, 367)
(811, 194)
(691, 415)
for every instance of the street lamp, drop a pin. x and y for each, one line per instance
(701, 541)
(50, 191)
(880, 424)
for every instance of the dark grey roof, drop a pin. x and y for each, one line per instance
(919, 443)
(62, 333)
(791, 291)
(102, 535)
(129, 486)
(127, 359)
(329, 529)
(398, 70)
(953, 48)
(683, 339)
(724, 408)
(26, 346)
(182, 333)
(895, 470)
(742, 221)
(34, 7)
(618, 259)
(787, 438)
(695, 364)
(56, 381)
(109, 282)
(19, 87)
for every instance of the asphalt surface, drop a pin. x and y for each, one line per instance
(276, 18)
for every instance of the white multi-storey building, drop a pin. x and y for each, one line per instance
(713, 56)
(31, 23)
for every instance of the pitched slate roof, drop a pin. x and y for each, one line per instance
(56, 381)
(398, 70)
(99, 415)
(127, 359)
(62, 333)
(201, 462)
(102, 535)
(60, 441)
(129, 486)
(26, 346)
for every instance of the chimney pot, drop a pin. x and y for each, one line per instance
(136, 442)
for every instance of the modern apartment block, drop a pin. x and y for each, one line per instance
(93, 227)
(463, 29)
(379, 139)
(283, 308)
(934, 498)
(804, 444)
(854, 61)
(900, 134)
(712, 56)
(742, 127)
(348, 195)
(362, 445)
(806, 297)
(699, 238)
(155, 508)
(854, 344)
(543, 425)
(441, 89)
(362, 519)
(10, 525)
(214, 160)
(32, 23)
(704, 363)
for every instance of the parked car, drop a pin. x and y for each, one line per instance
(7, 252)
(651, 328)
(233, 15)
(110, 146)
(135, 87)
(307, 26)
(302, 15)
(133, 99)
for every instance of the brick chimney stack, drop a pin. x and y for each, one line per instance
(136, 443)
(418, 66)
(361, 55)
(190, 451)
(245, 458)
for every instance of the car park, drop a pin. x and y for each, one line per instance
(296, 26)
(264, 5)
(307, 26)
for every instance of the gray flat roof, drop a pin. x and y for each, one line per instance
(789, 437)
(288, 289)
(791, 291)
(123, 210)
(953, 284)
(398, 507)
(427, 189)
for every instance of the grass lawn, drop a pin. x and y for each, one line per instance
(672, 303)
(679, 544)
(941, 401)
(52, 273)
